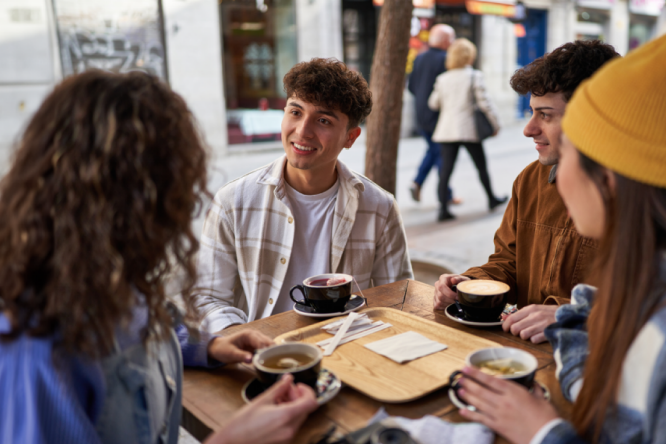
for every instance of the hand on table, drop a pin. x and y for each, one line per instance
(504, 406)
(444, 296)
(530, 322)
(238, 347)
(273, 417)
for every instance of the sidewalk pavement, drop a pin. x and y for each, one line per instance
(456, 245)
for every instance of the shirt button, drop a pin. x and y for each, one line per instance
(283, 261)
(290, 220)
(270, 301)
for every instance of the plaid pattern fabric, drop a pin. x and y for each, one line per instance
(248, 235)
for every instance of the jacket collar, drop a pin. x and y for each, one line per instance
(274, 175)
(346, 205)
(553, 174)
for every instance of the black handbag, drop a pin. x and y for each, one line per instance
(484, 128)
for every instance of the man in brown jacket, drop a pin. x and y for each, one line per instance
(538, 252)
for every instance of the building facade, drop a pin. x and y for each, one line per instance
(227, 57)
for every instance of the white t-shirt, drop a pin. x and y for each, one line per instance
(311, 252)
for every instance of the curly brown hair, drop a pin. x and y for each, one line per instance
(97, 208)
(563, 69)
(330, 83)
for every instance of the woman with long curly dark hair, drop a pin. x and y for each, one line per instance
(96, 213)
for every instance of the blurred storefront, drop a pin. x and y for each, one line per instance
(259, 47)
(360, 19)
(643, 20)
(593, 19)
(227, 57)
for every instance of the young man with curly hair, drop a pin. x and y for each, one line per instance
(304, 214)
(538, 252)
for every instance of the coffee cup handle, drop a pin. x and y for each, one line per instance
(291, 295)
(453, 384)
(461, 313)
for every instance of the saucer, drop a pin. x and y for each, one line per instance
(462, 405)
(354, 304)
(328, 385)
(452, 313)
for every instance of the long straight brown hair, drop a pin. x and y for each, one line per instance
(629, 290)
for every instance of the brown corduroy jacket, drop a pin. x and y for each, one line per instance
(538, 252)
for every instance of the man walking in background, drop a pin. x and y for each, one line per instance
(427, 67)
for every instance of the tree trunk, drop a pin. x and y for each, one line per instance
(387, 82)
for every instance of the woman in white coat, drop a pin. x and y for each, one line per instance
(452, 96)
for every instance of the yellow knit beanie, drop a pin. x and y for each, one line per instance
(618, 116)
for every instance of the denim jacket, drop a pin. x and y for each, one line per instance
(641, 402)
(133, 396)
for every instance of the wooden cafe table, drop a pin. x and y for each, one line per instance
(211, 397)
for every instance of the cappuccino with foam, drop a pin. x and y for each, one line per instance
(482, 300)
(483, 287)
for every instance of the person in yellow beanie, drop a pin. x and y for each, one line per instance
(610, 343)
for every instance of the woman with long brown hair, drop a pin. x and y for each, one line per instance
(96, 213)
(610, 343)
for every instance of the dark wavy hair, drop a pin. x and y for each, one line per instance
(563, 69)
(330, 83)
(97, 208)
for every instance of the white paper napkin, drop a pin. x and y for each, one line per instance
(433, 430)
(405, 347)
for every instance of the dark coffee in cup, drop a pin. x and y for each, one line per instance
(325, 293)
(481, 300)
(302, 360)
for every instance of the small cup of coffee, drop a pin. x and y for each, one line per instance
(501, 362)
(325, 293)
(481, 300)
(302, 360)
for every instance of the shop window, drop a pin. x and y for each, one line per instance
(591, 24)
(121, 36)
(641, 30)
(259, 48)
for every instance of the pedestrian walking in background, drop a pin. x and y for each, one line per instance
(427, 67)
(453, 96)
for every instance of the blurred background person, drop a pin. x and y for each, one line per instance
(427, 66)
(452, 97)
(97, 210)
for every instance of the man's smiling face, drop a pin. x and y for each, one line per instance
(545, 126)
(313, 135)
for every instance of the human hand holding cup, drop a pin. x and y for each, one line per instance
(506, 363)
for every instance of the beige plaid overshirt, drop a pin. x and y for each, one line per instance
(248, 235)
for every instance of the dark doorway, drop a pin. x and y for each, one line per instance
(359, 34)
(531, 47)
